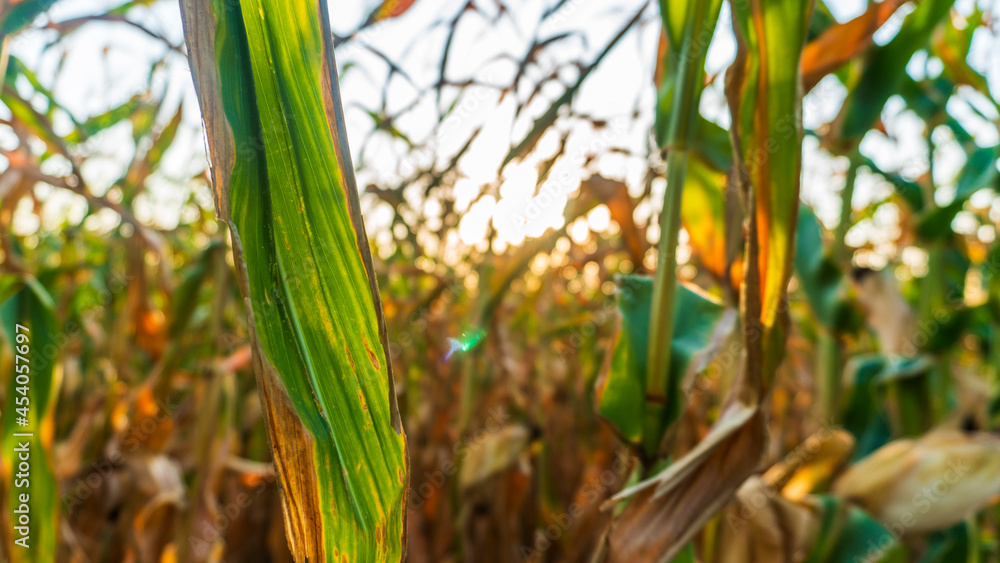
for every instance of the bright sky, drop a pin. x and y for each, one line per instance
(105, 64)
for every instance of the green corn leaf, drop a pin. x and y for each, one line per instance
(886, 68)
(980, 172)
(952, 43)
(165, 138)
(910, 192)
(305, 269)
(37, 347)
(821, 20)
(16, 69)
(124, 8)
(713, 146)
(686, 556)
(34, 121)
(953, 544)
(849, 534)
(864, 414)
(20, 14)
(928, 98)
(133, 107)
(185, 297)
(907, 383)
(622, 398)
(822, 280)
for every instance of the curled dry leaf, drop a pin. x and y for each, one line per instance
(666, 511)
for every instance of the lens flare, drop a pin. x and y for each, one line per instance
(464, 342)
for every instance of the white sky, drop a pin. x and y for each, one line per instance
(105, 64)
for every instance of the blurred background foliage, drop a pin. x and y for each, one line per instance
(511, 179)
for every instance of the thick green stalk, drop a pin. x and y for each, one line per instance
(828, 372)
(688, 77)
(828, 356)
(840, 251)
(913, 402)
(924, 393)
(933, 300)
(661, 330)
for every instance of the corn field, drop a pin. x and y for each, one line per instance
(500, 281)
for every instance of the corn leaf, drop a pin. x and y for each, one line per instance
(842, 42)
(980, 172)
(954, 544)
(762, 526)
(886, 68)
(23, 112)
(907, 386)
(389, 9)
(305, 271)
(665, 512)
(822, 281)
(864, 413)
(852, 535)
(952, 43)
(38, 348)
(709, 212)
(131, 109)
(17, 14)
(621, 393)
(910, 192)
(703, 214)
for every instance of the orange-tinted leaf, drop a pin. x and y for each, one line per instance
(390, 9)
(842, 42)
(703, 215)
(765, 100)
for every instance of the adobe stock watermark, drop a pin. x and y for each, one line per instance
(437, 479)
(927, 328)
(50, 350)
(419, 320)
(921, 503)
(759, 498)
(592, 493)
(90, 483)
(564, 177)
(581, 335)
(202, 540)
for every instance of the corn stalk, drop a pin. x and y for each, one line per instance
(688, 28)
(764, 91)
